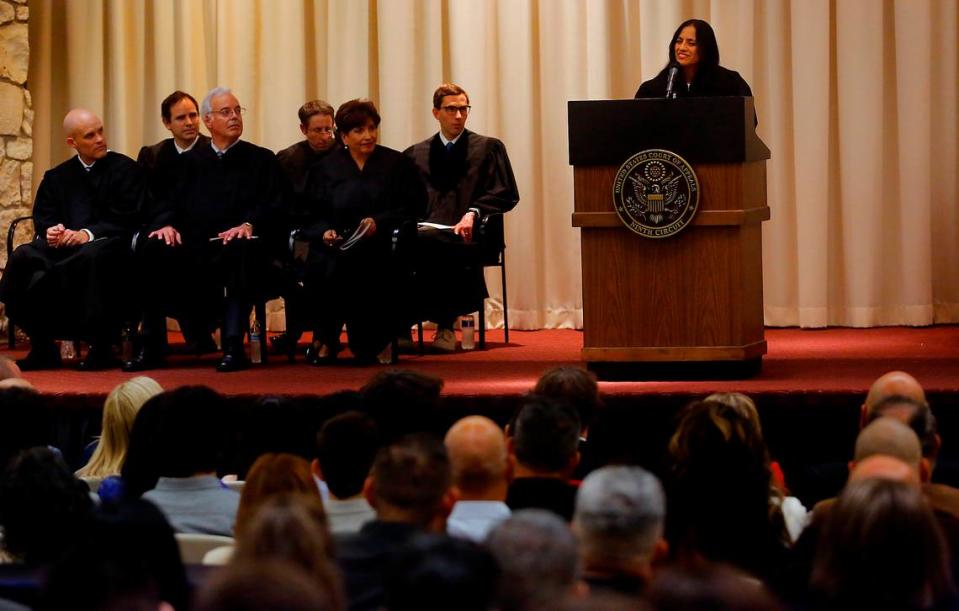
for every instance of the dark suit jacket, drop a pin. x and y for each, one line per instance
(364, 556)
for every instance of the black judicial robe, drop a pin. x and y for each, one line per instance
(358, 286)
(163, 166)
(476, 173)
(713, 83)
(296, 161)
(212, 194)
(77, 291)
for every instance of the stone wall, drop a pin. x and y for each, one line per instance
(16, 119)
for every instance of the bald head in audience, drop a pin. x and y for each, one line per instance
(893, 383)
(890, 437)
(881, 466)
(478, 458)
(10, 374)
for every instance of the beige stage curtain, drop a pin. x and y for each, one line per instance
(856, 98)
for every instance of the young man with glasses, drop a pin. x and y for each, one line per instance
(468, 176)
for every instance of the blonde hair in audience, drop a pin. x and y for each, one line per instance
(119, 411)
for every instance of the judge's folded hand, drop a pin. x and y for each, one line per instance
(70, 237)
(371, 227)
(330, 237)
(169, 235)
(55, 235)
(464, 228)
(244, 231)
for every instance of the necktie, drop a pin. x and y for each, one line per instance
(449, 147)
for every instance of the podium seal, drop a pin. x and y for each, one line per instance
(656, 193)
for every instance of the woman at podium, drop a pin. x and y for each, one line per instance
(693, 69)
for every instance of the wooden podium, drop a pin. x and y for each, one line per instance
(695, 297)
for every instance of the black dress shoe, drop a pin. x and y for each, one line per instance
(41, 356)
(234, 360)
(98, 359)
(145, 359)
(322, 354)
(284, 344)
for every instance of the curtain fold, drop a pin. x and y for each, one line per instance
(856, 99)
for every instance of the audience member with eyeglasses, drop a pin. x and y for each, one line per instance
(468, 176)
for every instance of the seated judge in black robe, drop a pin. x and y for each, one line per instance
(361, 189)
(467, 176)
(316, 124)
(694, 50)
(207, 248)
(70, 281)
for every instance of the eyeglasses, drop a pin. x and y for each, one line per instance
(452, 110)
(226, 113)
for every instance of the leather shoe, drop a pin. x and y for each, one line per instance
(99, 358)
(321, 354)
(201, 345)
(41, 356)
(233, 360)
(284, 344)
(145, 359)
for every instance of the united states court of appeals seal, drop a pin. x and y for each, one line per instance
(656, 193)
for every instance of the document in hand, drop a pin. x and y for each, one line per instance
(427, 225)
(356, 237)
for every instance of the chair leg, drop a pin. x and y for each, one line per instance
(259, 313)
(502, 268)
(482, 325)
(11, 334)
(419, 337)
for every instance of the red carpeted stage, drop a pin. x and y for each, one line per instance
(803, 361)
(808, 393)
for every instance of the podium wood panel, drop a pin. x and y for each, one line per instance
(696, 296)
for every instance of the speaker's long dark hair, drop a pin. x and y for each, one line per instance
(705, 44)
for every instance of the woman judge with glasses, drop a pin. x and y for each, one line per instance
(693, 50)
(359, 194)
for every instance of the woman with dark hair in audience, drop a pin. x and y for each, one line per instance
(694, 51)
(881, 549)
(719, 490)
(43, 509)
(292, 528)
(359, 195)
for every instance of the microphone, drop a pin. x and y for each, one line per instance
(671, 82)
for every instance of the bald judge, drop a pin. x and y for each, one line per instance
(68, 282)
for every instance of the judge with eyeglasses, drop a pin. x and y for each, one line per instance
(221, 220)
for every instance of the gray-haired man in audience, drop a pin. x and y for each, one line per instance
(619, 518)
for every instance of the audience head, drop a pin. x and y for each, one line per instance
(272, 475)
(260, 586)
(175, 434)
(84, 133)
(438, 573)
(889, 384)
(916, 415)
(345, 448)
(575, 385)
(704, 586)
(479, 459)
(25, 422)
(720, 488)
(292, 528)
(43, 508)
(9, 369)
(740, 403)
(410, 482)
(316, 123)
(223, 116)
(537, 557)
(620, 516)
(545, 436)
(403, 402)
(881, 548)
(888, 436)
(881, 466)
(119, 411)
(128, 559)
(181, 115)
